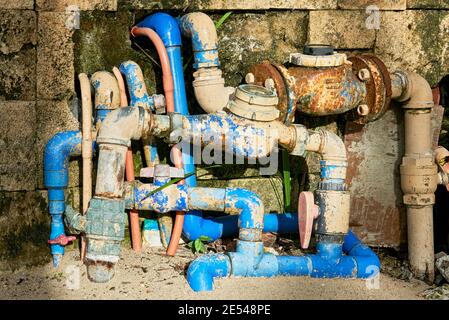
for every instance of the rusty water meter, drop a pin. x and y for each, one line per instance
(320, 81)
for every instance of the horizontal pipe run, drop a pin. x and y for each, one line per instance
(350, 260)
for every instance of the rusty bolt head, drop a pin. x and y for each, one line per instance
(159, 103)
(249, 78)
(363, 110)
(364, 74)
(269, 84)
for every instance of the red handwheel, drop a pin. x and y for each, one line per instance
(307, 212)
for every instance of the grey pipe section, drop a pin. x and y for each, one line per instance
(116, 132)
(419, 176)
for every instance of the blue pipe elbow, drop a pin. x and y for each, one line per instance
(248, 205)
(368, 263)
(165, 26)
(58, 150)
(202, 271)
(201, 29)
(136, 85)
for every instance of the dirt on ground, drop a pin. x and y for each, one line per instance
(152, 275)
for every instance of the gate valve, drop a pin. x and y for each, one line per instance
(62, 240)
(307, 212)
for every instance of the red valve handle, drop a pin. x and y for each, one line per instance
(307, 212)
(62, 240)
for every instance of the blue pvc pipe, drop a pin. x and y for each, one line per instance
(202, 271)
(136, 86)
(168, 30)
(332, 260)
(58, 150)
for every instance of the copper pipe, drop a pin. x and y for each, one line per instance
(167, 80)
(136, 238)
(86, 148)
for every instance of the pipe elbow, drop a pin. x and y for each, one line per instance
(412, 90)
(56, 155)
(136, 85)
(328, 144)
(202, 271)
(166, 27)
(368, 263)
(123, 125)
(248, 205)
(107, 93)
(210, 91)
(201, 29)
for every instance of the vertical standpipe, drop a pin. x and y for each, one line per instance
(418, 169)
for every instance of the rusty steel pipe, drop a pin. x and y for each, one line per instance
(167, 79)
(136, 238)
(86, 147)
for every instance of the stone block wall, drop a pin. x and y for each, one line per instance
(40, 58)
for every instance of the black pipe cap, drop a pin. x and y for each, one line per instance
(318, 50)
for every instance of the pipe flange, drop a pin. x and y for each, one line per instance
(321, 61)
(267, 70)
(378, 87)
(255, 103)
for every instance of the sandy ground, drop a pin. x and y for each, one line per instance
(151, 275)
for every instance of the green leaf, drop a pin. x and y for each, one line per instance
(198, 245)
(205, 238)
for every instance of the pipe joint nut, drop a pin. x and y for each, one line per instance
(419, 180)
(300, 141)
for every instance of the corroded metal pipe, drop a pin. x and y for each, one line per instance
(418, 170)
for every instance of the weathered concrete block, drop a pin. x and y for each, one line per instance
(53, 117)
(271, 193)
(427, 4)
(345, 29)
(264, 4)
(103, 41)
(24, 222)
(17, 4)
(381, 4)
(415, 40)
(304, 4)
(18, 75)
(157, 5)
(55, 71)
(61, 5)
(232, 5)
(246, 39)
(17, 29)
(17, 139)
